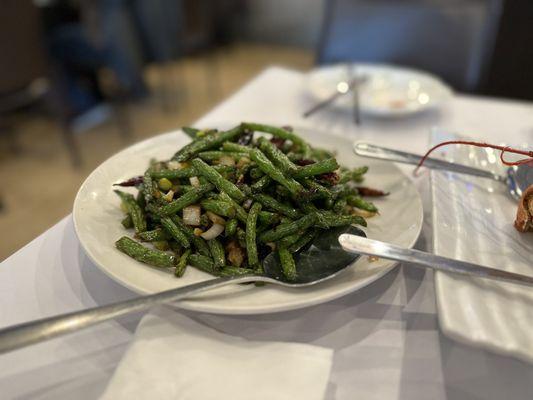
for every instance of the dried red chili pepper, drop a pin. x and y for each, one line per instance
(370, 192)
(137, 180)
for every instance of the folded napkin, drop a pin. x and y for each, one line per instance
(174, 357)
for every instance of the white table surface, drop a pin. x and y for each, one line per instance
(386, 336)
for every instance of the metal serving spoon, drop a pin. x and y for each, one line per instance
(517, 179)
(323, 260)
(330, 254)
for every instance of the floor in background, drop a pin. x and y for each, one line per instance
(39, 184)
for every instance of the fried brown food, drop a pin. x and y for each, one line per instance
(524, 214)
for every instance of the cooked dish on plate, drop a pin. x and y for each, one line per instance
(227, 199)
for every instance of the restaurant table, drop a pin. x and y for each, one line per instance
(386, 336)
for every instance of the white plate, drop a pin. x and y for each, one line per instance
(97, 222)
(389, 91)
(473, 221)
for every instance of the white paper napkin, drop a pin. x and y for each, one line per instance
(174, 357)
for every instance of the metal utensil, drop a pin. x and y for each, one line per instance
(342, 88)
(362, 245)
(517, 179)
(355, 96)
(323, 260)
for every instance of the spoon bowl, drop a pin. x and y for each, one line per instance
(324, 259)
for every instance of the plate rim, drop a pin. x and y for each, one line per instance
(207, 307)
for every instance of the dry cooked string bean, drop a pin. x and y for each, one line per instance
(228, 199)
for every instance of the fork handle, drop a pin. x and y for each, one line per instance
(382, 153)
(25, 334)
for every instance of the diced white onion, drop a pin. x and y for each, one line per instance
(213, 232)
(195, 182)
(226, 160)
(169, 196)
(247, 204)
(175, 165)
(215, 218)
(191, 215)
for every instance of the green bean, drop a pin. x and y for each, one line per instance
(174, 173)
(188, 172)
(234, 271)
(137, 214)
(328, 219)
(231, 227)
(185, 188)
(154, 235)
(287, 263)
(175, 247)
(240, 212)
(355, 175)
(219, 207)
(289, 228)
(303, 241)
(357, 201)
(216, 179)
(283, 191)
(203, 263)
(234, 147)
(217, 253)
(175, 232)
(197, 241)
(339, 206)
(281, 133)
(191, 132)
(143, 254)
(161, 245)
(215, 155)
(288, 241)
(318, 168)
(277, 157)
(261, 184)
(127, 222)
(267, 218)
(318, 189)
(256, 173)
(185, 200)
(269, 169)
(274, 205)
(251, 223)
(182, 263)
(321, 154)
(206, 143)
(148, 187)
(241, 237)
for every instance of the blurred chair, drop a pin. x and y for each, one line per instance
(50, 62)
(24, 74)
(453, 39)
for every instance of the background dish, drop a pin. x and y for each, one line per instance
(390, 91)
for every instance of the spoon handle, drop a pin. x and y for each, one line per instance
(17, 336)
(361, 245)
(382, 153)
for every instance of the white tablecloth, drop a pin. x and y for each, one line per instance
(386, 337)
